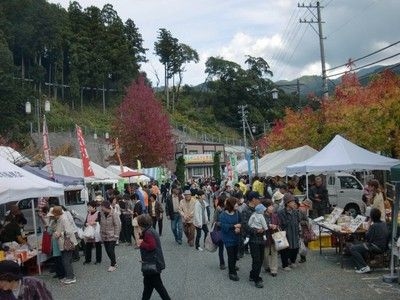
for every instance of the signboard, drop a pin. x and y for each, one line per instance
(356, 222)
(199, 158)
(334, 216)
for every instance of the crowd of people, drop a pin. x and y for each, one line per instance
(242, 217)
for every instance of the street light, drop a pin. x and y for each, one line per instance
(28, 110)
(274, 93)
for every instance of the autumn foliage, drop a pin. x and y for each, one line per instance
(143, 128)
(368, 116)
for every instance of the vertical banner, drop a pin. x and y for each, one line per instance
(233, 161)
(117, 152)
(46, 149)
(87, 169)
(229, 173)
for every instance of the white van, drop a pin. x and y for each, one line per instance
(71, 200)
(345, 191)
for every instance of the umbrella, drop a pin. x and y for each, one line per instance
(130, 174)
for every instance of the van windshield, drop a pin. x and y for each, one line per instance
(347, 182)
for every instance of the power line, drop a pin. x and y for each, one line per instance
(367, 65)
(365, 56)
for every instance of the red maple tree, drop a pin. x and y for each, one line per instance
(143, 128)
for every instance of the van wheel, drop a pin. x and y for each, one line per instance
(352, 209)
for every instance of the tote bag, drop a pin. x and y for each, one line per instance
(280, 240)
(209, 244)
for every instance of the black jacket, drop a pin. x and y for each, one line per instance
(155, 255)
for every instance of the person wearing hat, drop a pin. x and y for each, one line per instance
(256, 239)
(64, 229)
(14, 286)
(289, 219)
(307, 233)
(278, 196)
(172, 212)
(110, 228)
(186, 209)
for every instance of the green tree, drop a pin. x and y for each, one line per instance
(180, 169)
(166, 48)
(217, 166)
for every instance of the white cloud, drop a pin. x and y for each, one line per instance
(267, 28)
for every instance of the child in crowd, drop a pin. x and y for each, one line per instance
(257, 221)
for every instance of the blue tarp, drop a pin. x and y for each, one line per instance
(63, 179)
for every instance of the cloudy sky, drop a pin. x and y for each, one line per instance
(266, 28)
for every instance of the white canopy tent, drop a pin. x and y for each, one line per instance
(242, 166)
(72, 166)
(276, 164)
(341, 155)
(17, 184)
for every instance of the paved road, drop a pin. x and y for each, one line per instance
(191, 274)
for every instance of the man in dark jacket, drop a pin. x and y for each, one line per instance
(256, 243)
(319, 196)
(172, 212)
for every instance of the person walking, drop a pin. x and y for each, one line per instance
(110, 227)
(229, 221)
(93, 220)
(186, 209)
(200, 218)
(151, 252)
(270, 253)
(256, 242)
(156, 212)
(172, 212)
(219, 209)
(289, 219)
(64, 230)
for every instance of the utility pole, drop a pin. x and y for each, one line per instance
(321, 40)
(243, 114)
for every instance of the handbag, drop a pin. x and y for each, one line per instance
(280, 240)
(68, 244)
(88, 233)
(308, 234)
(149, 268)
(46, 243)
(216, 236)
(209, 244)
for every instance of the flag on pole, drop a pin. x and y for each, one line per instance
(46, 149)
(87, 169)
(117, 152)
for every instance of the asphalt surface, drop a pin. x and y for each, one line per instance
(191, 274)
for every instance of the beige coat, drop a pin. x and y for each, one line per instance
(110, 226)
(378, 202)
(186, 209)
(65, 228)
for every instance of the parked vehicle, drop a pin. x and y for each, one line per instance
(345, 191)
(71, 200)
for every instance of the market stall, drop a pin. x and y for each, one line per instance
(17, 184)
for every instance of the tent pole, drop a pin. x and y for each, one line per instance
(307, 185)
(36, 237)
